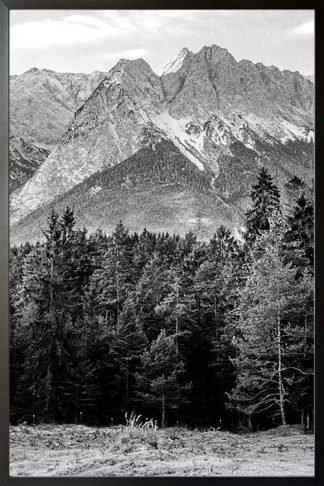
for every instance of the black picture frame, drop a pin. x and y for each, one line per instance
(5, 7)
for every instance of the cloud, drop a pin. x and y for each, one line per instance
(306, 28)
(89, 28)
(151, 21)
(42, 34)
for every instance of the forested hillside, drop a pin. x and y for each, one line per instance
(204, 333)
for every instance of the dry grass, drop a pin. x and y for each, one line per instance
(75, 450)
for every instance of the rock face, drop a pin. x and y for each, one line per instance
(25, 158)
(228, 118)
(42, 103)
(213, 81)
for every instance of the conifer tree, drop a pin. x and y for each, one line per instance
(266, 205)
(299, 237)
(158, 379)
(175, 308)
(128, 342)
(80, 389)
(150, 290)
(268, 334)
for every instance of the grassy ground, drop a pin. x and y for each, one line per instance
(75, 450)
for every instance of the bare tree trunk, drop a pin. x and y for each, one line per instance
(177, 318)
(250, 422)
(51, 289)
(49, 365)
(163, 411)
(117, 293)
(215, 314)
(126, 390)
(280, 381)
(305, 335)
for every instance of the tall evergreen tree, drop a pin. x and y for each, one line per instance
(299, 237)
(128, 342)
(158, 379)
(269, 336)
(266, 205)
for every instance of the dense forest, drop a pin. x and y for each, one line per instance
(214, 333)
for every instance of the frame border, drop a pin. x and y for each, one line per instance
(5, 7)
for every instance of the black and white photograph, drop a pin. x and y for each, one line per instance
(161, 278)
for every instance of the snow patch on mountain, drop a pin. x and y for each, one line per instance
(176, 131)
(292, 132)
(278, 128)
(94, 190)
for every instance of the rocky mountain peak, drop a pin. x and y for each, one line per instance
(32, 70)
(178, 62)
(131, 66)
(214, 54)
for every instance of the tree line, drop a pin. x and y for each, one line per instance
(214, 333)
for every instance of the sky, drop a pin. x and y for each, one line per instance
(90, 40)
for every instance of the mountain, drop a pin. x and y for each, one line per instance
(25, 158)
(42, 103)
(227, 118)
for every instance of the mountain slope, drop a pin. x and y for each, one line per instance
(42, 103)
(24, 158)
(156, 188)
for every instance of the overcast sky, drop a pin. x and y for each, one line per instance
(89, 40)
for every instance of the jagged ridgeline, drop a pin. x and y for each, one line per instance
(226, 119)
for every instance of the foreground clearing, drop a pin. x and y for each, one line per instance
(76, 450)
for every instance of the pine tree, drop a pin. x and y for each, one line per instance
(158, 379)
(49, 300)
(128, 342)
(175, 308)
(150, 290)
(266, 206)
(80, 389)
(41, 317)
(268, 334)
(299, 237)
(294, 188)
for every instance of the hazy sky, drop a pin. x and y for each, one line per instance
(89, 40)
